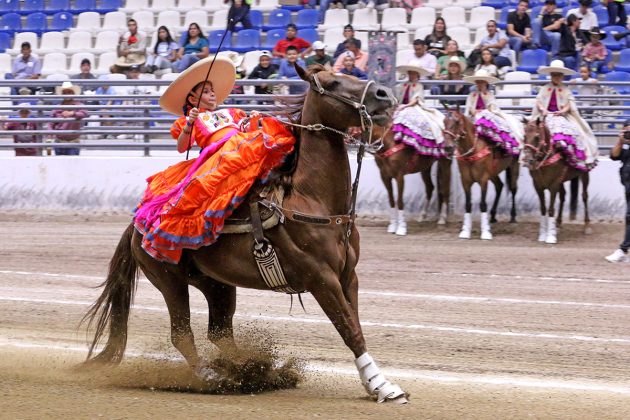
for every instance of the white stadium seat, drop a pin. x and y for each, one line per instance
(422, 33)
(115, 21)
(134, 6)
(145, 20)
(394, 18)
(467, 4)
(454, 16)
(402, 41)
(105, 61)
(363, 37)
(51, 42)
(335, 18)
(479, 16)
(21, 37)
(214, 5)
(421, 17)
(404, 56)
(106, 41)
(75, 61)
(480, 33)
(333, 37)
(54, 63)
(219, 20)
(251, 60)
(185, 5)
(79, 41)
(200, 17)
(365, 19)
(160, 5)
(88, 21)
(262, 5)
(461, 34)
(58, 77)
(5, 63)
(169, 18)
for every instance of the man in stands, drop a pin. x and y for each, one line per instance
(497, 42)
(25, 66)
(132, 48)
(421, 56)
(588, 19)
(360, 57)
(24, 113)
(291, 40)
(239, 12)
(264, 70)
(348, 32)
(546, 27)
(320, 56)
(86, 70)
(519, 27)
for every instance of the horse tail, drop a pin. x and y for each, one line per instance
(113, 305)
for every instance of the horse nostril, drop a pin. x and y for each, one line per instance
(382, 94)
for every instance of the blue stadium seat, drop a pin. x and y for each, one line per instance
(618, 76)
(603, 68)
(610, 42)
(602, 15)
(5, 41)
(247, 40)
(531, 60)
(9, 6)
(273, 36)
(56, 6)
(278, 19)
(214, 39)
(107, 6)
(624, 61)
(255, 17)
(497, 4)
(503, 16)
(36, 22)
(31, 6)
(561, 3)
(309, 34)
(307, 18)
(61, 21)
(10, 22)
(81, 6)
(292, 8)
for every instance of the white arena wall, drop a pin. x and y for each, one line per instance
(111, 183)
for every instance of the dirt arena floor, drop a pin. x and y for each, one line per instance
(503, 329)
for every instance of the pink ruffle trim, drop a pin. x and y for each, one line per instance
(489, 131)
(421, 145)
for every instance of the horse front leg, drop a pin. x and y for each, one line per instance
(428, 190)
(331, 298)
(511, 177)
(575, 188)
(552, 233)
(587, 221)
(486, 232)
(498, 186)
(542, 230)
(393, 215)
(221, 307)
(401, 230)
(466, 231)
(563, 196)
(444, 188)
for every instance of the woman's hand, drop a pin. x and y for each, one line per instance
(254, 114)
(192, 116)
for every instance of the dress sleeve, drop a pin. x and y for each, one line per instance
(177, 127)
(237, 114)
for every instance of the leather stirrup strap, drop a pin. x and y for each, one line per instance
(257, 227)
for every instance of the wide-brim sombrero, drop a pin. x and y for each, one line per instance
(556, 66)
(456, 60)
(413, 65)
(76, 90)
(222, 77)
(483, 76)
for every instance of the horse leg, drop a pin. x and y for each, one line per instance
(575, 188)
(401, 230)
(467, 226)
(512, 174)
(393, 222)
(444, 188)
(221, 307)
(498, 186)
(329, 295)
(552, 234)
(587, 221)
(428, 189)
(563, 195)
(486, 232)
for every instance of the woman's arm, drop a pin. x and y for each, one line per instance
(205, 51)
(184, 141)
(180, 53)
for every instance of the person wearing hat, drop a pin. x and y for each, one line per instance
(264, 70)
(621, 152)
(23, 113)
(452, 52)
(455, 67)
(349, 68)
(320, 57)
(594, 53)
(546, 27)
(86, 71)
(71, 119)
(185, 205)
(415, 124)
(496, 127)
(570, 134)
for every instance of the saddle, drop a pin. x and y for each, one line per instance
(241, 222)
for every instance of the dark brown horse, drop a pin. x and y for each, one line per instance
(395, 161)
(549, 170)
(315, 253)
(479, 162)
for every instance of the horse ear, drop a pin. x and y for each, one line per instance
(537, 120)
(300, 71)
(445, 105)
(457, 108)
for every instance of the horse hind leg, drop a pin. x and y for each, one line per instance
(575, 188)
(444, 189)
(486, 230)
(401, 230)
(498, 186)
(587, 221)
(511, 175)
(428, 189)
(393, 214)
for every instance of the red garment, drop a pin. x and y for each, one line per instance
(480, 105)
(283, 44)
(553, 102)
(405, 98)
(132, 39)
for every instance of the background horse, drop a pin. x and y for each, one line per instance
(316, 256)
(395, 161)
(479, 162)
(549, 170)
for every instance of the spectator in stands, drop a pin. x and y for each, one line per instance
(320, 56)
(571, 43)
(438, 39)
(423, 58)
(239, 12)
(264, 70)
(132, 47)
(595, 52)
(25, 66)
(546, 27)
(86, 71)
(487, 63)
(323, 6)
(588, 18)
(368, 4)
(24, 112)
(455, 70)
(72, 119)
(408, 5)
(616, 12)
(591, 88)
(194, 47)
(287, 69)
(452, 51)
(360, 57)
(349, 67)
(164, 52)
(292, 40)
(497, 42)
(348, 32)
(519, 27)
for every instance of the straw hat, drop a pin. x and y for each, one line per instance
(556, 66)
(456, 60)
(76, 90)
(481, 75)
(413, 65)
(596, 31)
(236, 58)
(222, 77)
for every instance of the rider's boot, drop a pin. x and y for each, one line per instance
(402, 224)
(542, 230)
(466, 227)
(393, 221)
(551, 231)
(486, 232)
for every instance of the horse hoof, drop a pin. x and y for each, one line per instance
(486, 236)
(205, 373)
(588, 231)
(464, 234)
(391, 393)
(441, 222)
(421, 218)
(493, 219)
(401, 231)
(542, 238)
(392, 227)
(551, 240)
(513, 220)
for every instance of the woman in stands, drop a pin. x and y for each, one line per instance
(164, 52)
(416, 124)
(195, 47)
(452, 51)
(185, 205)
(487, 63)
(437, 39)
(496, 127)
(570, 134)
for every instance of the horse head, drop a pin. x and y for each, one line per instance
(339, 101)
(455, 127)
(535, 141)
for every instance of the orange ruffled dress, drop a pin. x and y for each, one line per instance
(185, 206)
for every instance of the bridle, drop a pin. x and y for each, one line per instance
(543, 152)
(457, 137)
